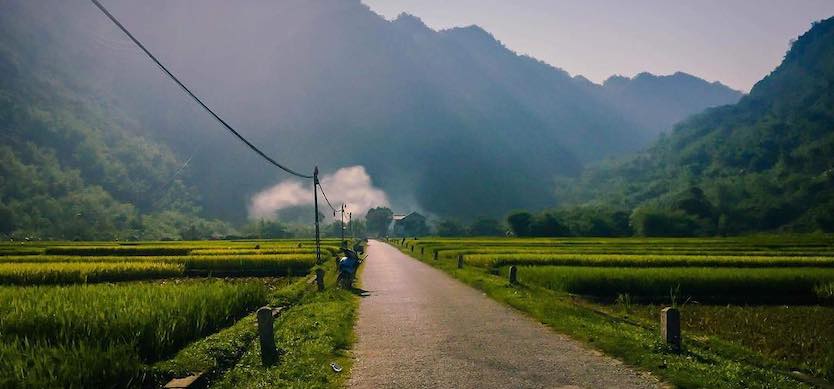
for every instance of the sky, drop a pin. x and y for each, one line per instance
(737, 42)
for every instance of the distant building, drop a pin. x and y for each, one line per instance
(413, 224)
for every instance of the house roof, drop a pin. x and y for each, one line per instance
(409, 216)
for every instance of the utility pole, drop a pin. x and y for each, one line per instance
(316, 206)
(343, 222)
(350, 223)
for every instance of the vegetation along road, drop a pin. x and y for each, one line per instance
(420, 328)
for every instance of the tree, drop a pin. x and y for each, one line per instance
(520, 223)
(548, 224)
(657, 222)
(273, 229)
(450, 228)
(486, 227)
(378, 219)
(6, 220)
(694, 202)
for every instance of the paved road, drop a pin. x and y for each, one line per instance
(420, 328)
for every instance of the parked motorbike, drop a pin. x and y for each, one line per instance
(347, 268)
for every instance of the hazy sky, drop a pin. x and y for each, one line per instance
(736, 42)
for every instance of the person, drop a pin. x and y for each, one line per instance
(347, 267)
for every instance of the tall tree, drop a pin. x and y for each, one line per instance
(378, 219)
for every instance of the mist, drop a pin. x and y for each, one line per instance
(450, 122)
(350, 185)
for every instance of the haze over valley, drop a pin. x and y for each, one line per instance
(450, 123)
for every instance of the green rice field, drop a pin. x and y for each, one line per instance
(91, 314)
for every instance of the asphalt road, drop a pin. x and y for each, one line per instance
(420, 328)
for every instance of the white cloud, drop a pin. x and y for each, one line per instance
(350, 185)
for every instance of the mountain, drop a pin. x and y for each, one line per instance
(450, 122)
(72, 166)
(766, 163)
(657, 103)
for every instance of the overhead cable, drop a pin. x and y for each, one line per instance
(193, 96)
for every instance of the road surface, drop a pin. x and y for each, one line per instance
(420, 328)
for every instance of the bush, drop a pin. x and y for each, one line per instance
(520, 223)
(548, 225)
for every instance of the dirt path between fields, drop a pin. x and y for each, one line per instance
(420, 328)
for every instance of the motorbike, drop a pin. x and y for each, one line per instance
(347, 269)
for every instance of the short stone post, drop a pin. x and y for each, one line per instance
(460, 261)
(266, 335)
(422, 250)
(435, 255)
(513, 274)
(412, 248)
(670, 328)
(320, 279)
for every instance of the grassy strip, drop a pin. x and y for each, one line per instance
(47, 270)
(279, 264)
(311, 334)
(264, 251)
(645, 260)
(79, 273)
(74, 269)
(20, 251)
(699, 365)
(545, 252)
(702, 284)
(763, 240)
(120, 251)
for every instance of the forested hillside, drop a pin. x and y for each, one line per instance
(766, 163)
(449, 122)
(68, 166)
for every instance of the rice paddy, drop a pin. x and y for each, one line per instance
(91, 314)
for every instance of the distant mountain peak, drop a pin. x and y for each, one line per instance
(473, 33)
(411, 21)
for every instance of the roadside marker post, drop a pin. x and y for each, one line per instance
(266, 335)
(320, 279)
(513, 274)
(460, 261)
(670, 328)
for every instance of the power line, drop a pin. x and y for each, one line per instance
(162, 190)
(193, 96)
(326, 199)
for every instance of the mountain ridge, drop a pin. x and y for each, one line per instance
(450, 122)
(764, 163)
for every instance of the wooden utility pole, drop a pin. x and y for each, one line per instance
(316, 206)
(343, 222)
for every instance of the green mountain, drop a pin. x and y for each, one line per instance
(99, 144)
(766, 163)
(657, 103)
(74, 167)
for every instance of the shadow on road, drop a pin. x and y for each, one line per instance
(360, 292)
